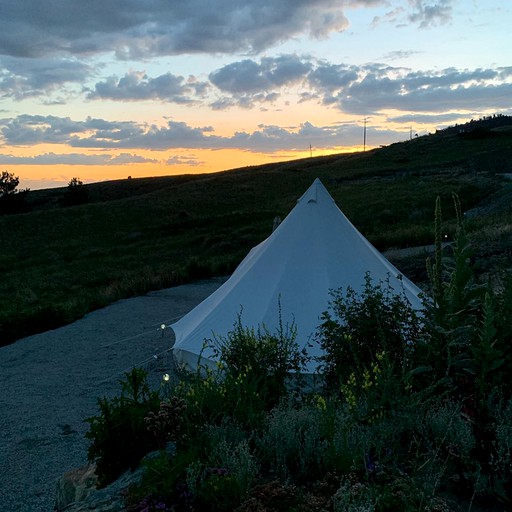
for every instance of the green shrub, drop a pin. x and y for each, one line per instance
(252, 376)
(368, 341)
(501, 456)
(264, 360)
(168, 423)
(224, 480)
(292, 443)
(119, 435)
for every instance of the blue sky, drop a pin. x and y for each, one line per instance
(103, 90)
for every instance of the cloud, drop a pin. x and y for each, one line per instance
(436, 119)
(134, 29)
(399, 54)
(426, 14)
(137, 86)
(25, 78)
(424, 91)
(74, 159)
(183, 160)
(249, 76)
(364, 89)
(423, 13)
(327, 78)
(47, 48)
(100, 134)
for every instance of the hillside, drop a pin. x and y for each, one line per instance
(136, 235)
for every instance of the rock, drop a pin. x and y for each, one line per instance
(75, 485)
(77, 492)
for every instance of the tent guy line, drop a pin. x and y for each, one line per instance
(154, 357)
(163, 326)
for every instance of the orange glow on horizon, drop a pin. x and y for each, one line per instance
(198, 161)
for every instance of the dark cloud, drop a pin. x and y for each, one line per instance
(24, 78)
(27, 130)
(331, 77)
(364, 89)
(425, 92)
(136, 86)
(95, 133)
(246, 101)
(135, 29)
(249, 76)
(46, 46)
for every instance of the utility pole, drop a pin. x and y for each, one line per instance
(364, 135)
(410, 133)
(310, 151)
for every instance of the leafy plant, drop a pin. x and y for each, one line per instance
(167, 423)
(119, 436)
(225, 479)
(466, 351)
(292, 444)
(368, 342)
(264, 360)
(255, 370)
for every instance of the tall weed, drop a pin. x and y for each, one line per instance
(119, 437)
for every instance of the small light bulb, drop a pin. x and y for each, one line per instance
(162, 327)
(166, 377)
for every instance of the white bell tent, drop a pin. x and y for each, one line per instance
(315, 249)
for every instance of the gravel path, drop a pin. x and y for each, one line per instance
(50, 382)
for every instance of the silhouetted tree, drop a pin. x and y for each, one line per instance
(11, 199)
(8, 183)
(76, 193)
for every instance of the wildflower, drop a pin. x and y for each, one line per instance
(368, 383)
(321, 403)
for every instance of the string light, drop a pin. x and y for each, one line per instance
(166, 377)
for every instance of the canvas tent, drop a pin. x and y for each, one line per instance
(315, 249)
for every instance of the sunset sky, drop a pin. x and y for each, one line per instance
(104, 89)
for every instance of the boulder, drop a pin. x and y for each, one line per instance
(75, 485)
(77, 492)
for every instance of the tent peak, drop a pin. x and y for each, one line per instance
(311, 194)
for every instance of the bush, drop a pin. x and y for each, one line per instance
(226, 477)
(368, 342)
(264, 360)
(119, 436)
(293, 445)
(251, 377)
(76, 193)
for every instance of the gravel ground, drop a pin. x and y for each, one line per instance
(50, 382)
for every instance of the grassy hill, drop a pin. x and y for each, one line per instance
(136, 235)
